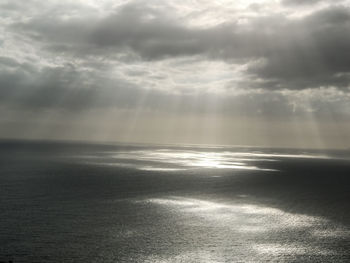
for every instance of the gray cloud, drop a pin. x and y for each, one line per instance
(277, 53)
(304, 2)
(62, 87)
(317, 53)
(300, 2)
(73, 90)
(312, 51)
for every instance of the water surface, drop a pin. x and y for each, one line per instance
(69, 202)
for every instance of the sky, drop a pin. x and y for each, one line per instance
(253, 72)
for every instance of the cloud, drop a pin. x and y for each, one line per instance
(146, 54)
(304, 2)
(300, 2)
(75, 90)
(62, 87)
(288, 53)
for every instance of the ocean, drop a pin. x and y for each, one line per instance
(80, 202)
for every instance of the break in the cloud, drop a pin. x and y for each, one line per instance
(265, 60)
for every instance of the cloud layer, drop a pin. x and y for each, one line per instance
(259, 59)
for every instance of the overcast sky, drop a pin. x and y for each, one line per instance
(264, 73)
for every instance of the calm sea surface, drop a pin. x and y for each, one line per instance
(70, 202)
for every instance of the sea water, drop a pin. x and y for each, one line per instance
(76, 202)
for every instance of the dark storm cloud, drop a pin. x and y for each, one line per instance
(301, 53)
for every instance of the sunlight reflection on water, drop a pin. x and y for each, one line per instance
(176, 160)
(256, 231)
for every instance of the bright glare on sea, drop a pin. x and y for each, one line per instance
(70, 202)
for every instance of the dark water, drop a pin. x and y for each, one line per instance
(103, 203)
